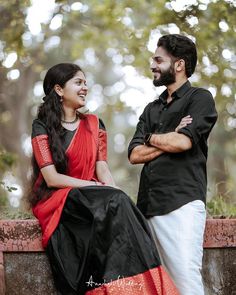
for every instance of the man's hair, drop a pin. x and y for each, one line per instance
(180, 47)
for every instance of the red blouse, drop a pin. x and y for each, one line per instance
(87, 146)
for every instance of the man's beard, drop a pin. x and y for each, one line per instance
(166, 78)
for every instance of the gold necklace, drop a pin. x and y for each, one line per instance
(71, 122)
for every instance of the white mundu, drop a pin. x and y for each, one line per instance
(179, 239)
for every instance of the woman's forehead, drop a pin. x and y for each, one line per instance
(79, 75)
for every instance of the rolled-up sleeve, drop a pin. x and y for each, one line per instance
(141, 130)
(202, 110)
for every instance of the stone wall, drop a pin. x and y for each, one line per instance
(24, 268)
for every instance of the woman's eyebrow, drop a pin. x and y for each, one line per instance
(79, 79)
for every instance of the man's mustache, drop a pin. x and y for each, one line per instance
(156, 71)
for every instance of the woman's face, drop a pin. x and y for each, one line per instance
(75, 91)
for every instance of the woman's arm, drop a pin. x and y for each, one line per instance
(57, 180)
(103, 173)
(102, 169)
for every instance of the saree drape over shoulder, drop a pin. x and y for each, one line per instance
(96, 239)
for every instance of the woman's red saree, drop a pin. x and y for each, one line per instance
(96, 239)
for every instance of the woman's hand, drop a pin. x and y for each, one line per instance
(98, 183)
(104, 174)
(106, 184)
(184, 122)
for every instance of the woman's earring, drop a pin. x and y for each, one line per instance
(61, 99)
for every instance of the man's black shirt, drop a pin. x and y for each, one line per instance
(174, 179)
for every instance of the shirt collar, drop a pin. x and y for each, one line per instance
(177, 94)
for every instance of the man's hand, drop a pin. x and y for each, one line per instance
(142, 154)
(184, 122)
(172, 142)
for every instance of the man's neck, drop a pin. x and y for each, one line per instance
(173, 87)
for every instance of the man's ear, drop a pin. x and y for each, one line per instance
(180, 65)
(58, 90)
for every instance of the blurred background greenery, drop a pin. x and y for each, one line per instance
(113, 41)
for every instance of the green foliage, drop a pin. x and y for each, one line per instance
(8, 188)
(12, 27)
(7, 213)
(3, 199)
(219, 207)
(6, 162)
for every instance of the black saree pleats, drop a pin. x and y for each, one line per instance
(102, 238)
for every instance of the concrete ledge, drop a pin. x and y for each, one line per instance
(25, 235)
(24, 266)
(20, 235)
(220, 233)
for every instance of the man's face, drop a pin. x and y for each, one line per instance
(163, 68)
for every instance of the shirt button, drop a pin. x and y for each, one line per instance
(160, 123)
(150, 190)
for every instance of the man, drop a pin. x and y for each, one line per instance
(171, 141)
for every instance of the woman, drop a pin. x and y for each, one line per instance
(97, 241)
